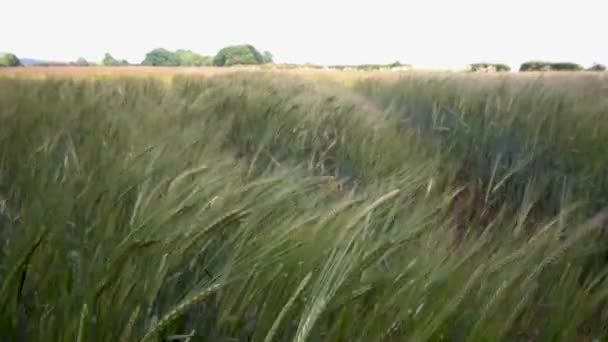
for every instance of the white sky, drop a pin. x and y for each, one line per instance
(435, 33)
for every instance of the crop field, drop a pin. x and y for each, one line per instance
(160, 204)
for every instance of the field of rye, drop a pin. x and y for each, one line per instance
(157, 205)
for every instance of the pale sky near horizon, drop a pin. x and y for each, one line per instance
(430, 33)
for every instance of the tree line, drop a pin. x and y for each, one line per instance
(247, 54)
(535, 66)
(561, 66)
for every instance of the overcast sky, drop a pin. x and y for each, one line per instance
(435, 33)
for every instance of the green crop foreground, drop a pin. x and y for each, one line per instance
(270, 207)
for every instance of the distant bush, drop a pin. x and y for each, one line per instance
(502, 67)
(597, 67)
(535, 66)
(9, 60)
(191, 58)
(476, 67)
(479, 66)
(369, 67)
(108, 60)
(164, 57)
(81, 62)
(548, 66)
(161, 57)
(268, 57)
(238, 55)
(566, 66)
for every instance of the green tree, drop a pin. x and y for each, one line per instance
(191, 58)
(479, 66)
(566, 66)
(9, 60)
(238, 54)
(535, 66)
(597, 67)
(268, 57)
(548, 66)
(108, 60)
(161, 57)
(82, 62)
(499, 67)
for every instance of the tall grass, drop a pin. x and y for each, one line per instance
(505, 134)
(271, 208)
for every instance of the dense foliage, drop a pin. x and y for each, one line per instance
(161, 57)
(108, 60)
(190, 58)
(164, 57)
(267, 57)
(597, 67)
(535, 66)
(548, 66)
(9, 60)
(264, 207)
(490, 67)
(238, 55)
(82, 62)
(566, 66)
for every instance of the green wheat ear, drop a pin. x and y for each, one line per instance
(128, 331)
(21, 265)
(178, 311)
(286, 308)
(83, 317)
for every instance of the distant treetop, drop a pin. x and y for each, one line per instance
(597, 67)
(238, 55)
(108, 60)
(191, 58)
(9, 60)
(549, 66)
(566, 66)
(485, 67)
(161, 57)
(82, 62)
(268, 57)
(164, 57)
